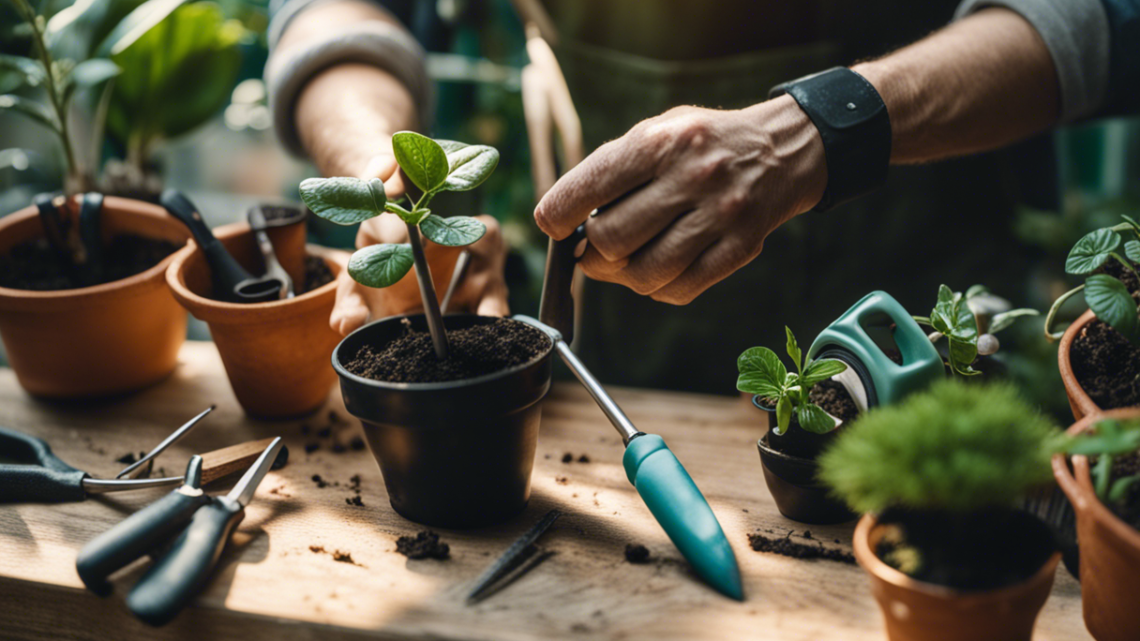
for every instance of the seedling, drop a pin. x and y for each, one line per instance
(1110, 440)
(1106, 295)
(761, 372)
(432, 166)
(970, 332)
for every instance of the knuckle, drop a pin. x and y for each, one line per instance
(732, 203)
(710, 167)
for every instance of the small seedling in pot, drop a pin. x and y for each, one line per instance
(761, 372)
(432, 166)
(1106, 295)
(1112, 439)
(969, 322)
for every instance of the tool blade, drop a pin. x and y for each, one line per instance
(243, 491)
(134, 469)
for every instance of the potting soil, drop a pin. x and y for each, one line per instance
(1129, 509)
(1105, 363)
(475, 351)
(317, 273)
(36, 266)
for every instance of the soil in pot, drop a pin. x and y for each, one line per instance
(1106, 365)
(317, 273)
(980, 551)
(834, 399)
(475, 351)
(36, 266)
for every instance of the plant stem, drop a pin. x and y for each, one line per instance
(1055, 308)
(1127, 264)
(427, 293)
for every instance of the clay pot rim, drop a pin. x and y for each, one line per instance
(1081, 400)
(872, 564)
(432, 387)
(175, 278)
(1079, 488)
(125, 205)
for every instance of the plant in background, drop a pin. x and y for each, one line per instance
(432, 166)
(1110, 439)
(969, 322)
(953, 448)
(761, 372)
(1106, 295)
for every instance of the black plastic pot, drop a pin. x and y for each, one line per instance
(457, 454)
(793, 484)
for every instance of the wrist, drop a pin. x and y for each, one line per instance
(797, 149)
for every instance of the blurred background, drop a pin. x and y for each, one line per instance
(194, 117)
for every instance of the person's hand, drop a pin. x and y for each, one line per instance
(699, 191)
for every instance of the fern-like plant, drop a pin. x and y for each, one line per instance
(954, 448)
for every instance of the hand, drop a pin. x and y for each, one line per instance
(699, 191)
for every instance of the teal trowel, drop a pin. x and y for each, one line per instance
(667, 489)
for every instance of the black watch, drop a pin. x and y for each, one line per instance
(853, 123)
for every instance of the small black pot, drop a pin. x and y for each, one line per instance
(793, 483)
(456, 454)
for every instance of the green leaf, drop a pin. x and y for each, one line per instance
(137, 24)
(17, 71)
(976, 290)
(456, 231)
(814, 419)
(962, 356)
(1120, 488)
(468, 165)
(1132, 250)
(783, 415)
(1092, 251)
(380, 265)
(1110, 301)
(421, 158)
(414, 217)
(1131, 221)
(33, 110)
(761, 372)
(1005, 319)
(94, 71)
(344, 201)
(76, 31)
(821, 370)
(393, 207)
(955, 320)
(1110, 437)
(794, 350)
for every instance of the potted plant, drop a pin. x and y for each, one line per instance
(1106, 497)
(84, 308)
(450, 406)
(937, 477)
(970, 321)
(1099, 354)
(805, 409)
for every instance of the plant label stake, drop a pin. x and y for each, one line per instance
(660, 479)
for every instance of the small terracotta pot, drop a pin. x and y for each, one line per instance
(1079, 400)
(94, 341)
(278, 355)
(919, 611)
(1110, 548)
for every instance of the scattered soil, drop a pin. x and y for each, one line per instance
(317, 273)
(320, 482)
(324, 432)
(35, 265)
(337, 555)
(129, 458)
(1104, 362)
(356, 444)
(424, 545)
(583, 459)
(475, 351)
(561, 480)
(1129, 509)
(983, 550)
(787, 546)
(355, 500)
(835, 400)
(312, 447)
(636, 553)
(568, 458)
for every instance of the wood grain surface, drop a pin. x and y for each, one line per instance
(270, 584)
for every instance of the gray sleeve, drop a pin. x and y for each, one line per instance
(1076, 32)
(381, 44)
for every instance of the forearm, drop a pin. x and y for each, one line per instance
(978, 84)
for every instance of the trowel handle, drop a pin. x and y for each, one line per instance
(225, 272)
(557, 306)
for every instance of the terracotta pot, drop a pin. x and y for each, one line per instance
(278, 355)
(1081, 403)
(1110, 548)
(94, 341)
(919, 611)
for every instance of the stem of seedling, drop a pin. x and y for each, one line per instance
(1053, 312)
(427, 292)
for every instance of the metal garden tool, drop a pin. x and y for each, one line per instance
(199, 524)
(262, 217)
(231, 282)
(521, 556)
(667, 489)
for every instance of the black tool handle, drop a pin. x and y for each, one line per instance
(34, 484)
(136, 536)
(177, 577)
(557, 306)
(90, 221)
(225, 272)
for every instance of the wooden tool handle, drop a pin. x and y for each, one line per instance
(236, 458)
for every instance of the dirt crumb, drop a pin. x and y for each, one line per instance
(355, 501)
(636, 553)
(424, 545)
(320, 482)
(785, 546)
(561, 480)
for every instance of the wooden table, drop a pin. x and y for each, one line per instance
(270, 585)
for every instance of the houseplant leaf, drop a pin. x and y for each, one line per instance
(783, 415)
(821, 370)
(33, 110)
(1005, 319)
(793, 349)
(761, 372)
(94, 71)
(17, 71)
(380, 265)
(1110, 301)
(344, 201)
(456, 231)
(813, 419)
(468, 165)
(422, 159)
(1132, 250)
(76, 31)
(1092, 251)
